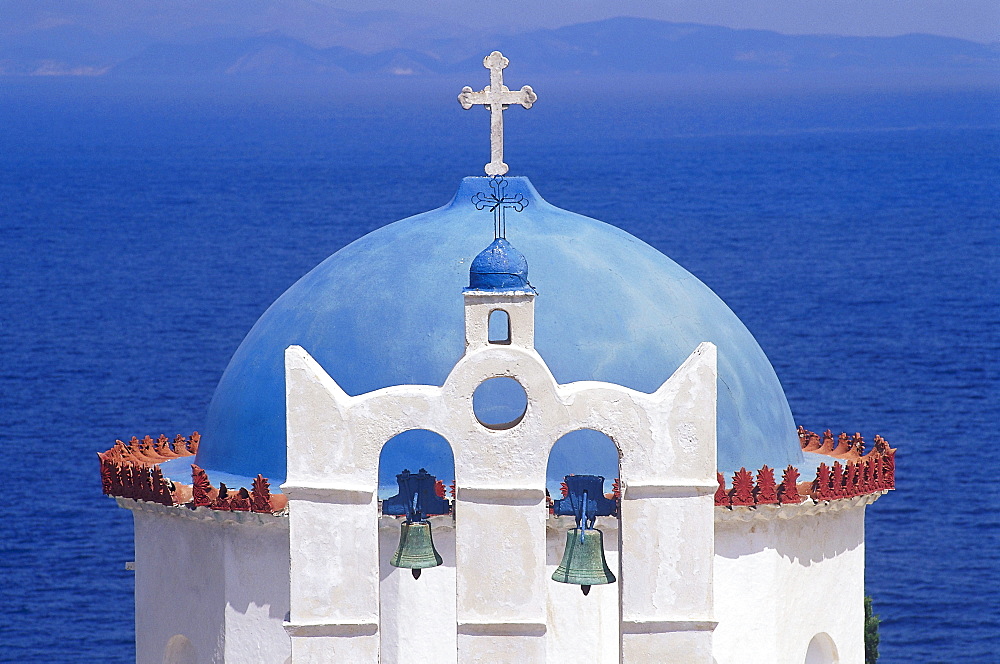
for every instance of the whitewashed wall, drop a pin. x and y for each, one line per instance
(785, 574)
(219, 579)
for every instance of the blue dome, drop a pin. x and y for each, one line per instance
(499, 267)
(610, 308)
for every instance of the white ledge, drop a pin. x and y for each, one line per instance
(512, 628)
(680, 488)
(501, 495)
(664, 626)
(742, 513)
(487, 294)
(330, 493)
(348, 629)
(186, 511)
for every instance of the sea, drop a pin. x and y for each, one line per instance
(145, 227)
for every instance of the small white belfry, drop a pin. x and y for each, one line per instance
(502, 581)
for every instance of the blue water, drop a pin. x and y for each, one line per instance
(142, 233)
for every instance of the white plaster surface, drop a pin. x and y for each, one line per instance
(219, 580)
(781, 581)
(520, 308)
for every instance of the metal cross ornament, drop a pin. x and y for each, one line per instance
(497, 97)
(497, 202)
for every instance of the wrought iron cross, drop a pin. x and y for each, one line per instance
(497, 97)
(497, 202)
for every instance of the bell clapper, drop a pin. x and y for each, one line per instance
(585, 590)
(415, 572)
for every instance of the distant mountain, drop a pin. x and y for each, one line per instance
(96, 37)
(290, 38)
(645, 46)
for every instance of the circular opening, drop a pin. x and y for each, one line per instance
(499, 403)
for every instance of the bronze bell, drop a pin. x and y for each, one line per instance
(417, 498)
(583, 560)
(416, 548)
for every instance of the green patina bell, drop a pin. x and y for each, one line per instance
(416, 548)
(583, 560)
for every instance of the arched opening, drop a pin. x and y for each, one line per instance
(416, 597)
(822, 650)
(582, 452)
(499, 327)
(499, 403)
(413, 450)
(583, 621)
(179, 650)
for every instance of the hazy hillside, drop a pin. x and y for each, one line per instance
(291, 38)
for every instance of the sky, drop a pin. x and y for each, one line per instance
(978, 20)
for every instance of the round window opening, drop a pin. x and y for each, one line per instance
(499, 403)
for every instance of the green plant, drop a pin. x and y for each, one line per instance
(871, 633)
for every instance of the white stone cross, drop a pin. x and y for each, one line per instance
(497, 97)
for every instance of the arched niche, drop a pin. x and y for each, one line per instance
(179, 650)
(499, 327)
(410, 609)
(582, 452)
(822, 650)
(413, 450)
(582, 623)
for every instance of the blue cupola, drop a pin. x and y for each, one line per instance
(616, 310)
(499, 267)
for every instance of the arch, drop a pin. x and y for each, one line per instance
(404, 620)
(499, 327)
(822, 650)
(411, 450)
(179, 650)
(582, 452)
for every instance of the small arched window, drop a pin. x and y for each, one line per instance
(499, 327)
(822, 650)
(179, 650)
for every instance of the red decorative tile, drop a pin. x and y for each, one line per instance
(721, 495)
(766, 491)
(742, 491)
(788, 491)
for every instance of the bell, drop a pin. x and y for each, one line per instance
(416, 548)
(583, 560)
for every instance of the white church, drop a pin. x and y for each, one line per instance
(418, 455)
